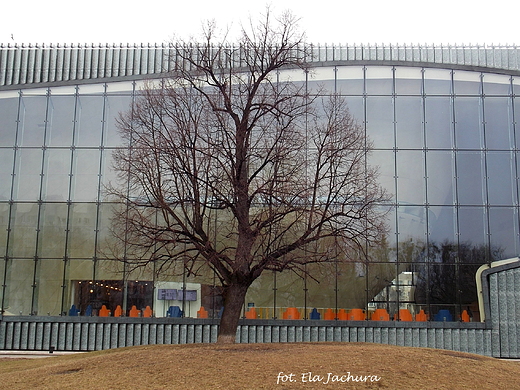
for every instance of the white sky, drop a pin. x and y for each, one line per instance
(324, 21)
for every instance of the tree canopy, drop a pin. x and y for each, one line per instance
(234, 165)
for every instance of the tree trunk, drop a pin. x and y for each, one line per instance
(234, 296)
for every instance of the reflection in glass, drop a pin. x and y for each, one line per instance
(439, 122)
(24, 223)
(379, 80)
(27, 178)
(50, 287)
(89, 120)
(32, 120)
(409, 122)
(61, 122)
(468, 122)
(82, 230)
(380, 121)
(410, 173)
(85, 175)
(441, 177)
(408, 81)
(6, 171)
(499, 123)
(501, 190)
(503, 229)
(472, 225)
(9, 110)
(53, 229)
(470, 178)
(56, 174)
(19, 290)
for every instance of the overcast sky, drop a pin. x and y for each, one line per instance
(324, 21)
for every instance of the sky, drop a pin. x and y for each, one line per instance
(323, 21)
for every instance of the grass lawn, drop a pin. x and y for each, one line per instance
(262, 366)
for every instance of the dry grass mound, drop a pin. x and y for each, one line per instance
(262, 366)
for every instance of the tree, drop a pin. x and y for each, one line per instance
(225, 138)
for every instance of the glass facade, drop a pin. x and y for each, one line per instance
(445, 142)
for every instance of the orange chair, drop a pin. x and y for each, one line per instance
(464, 316)
(380, 315)
(356, 315)
(118, 312)
(251, 314)
(202, 313)
(291, 313)
(104, 312)
(404, 315)
(147, 312)
(329, 315)
(342, 315)
(134, 312)
(421, 316)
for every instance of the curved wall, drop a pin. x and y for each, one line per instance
(445, 140)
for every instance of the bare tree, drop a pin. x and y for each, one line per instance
(223, 138)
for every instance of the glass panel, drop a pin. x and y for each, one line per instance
(106, 239)
(468, 122)
(439, 122)
(356, 108)
(516, 85)
(437, 81)
(408, 81)
(6, 171)
(495, 84)
(441, 177)
(503, 229)
(18, 295)
(441, 224)
(321, 80)
(412, 226)
(466, 83)
(384, 161)
(82, 230)
(410, 174)
(85, 176)
(90, 120)
(470, 174)
(379, 80)
(499, 123)
(49, 287)
(350, 80)
(380, 118)
(24, 222)
(60, 128)
(56, 175)
(33, 120)
(472, 222)
(27, 178)
(9, 110)
(115, 106)
(409, 122)
(53, 230)
(4, 225)
(500, 178)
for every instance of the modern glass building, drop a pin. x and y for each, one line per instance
(443, 121)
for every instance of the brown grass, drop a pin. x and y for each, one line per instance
(258, 366)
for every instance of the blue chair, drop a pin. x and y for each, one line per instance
(315, 314)
(174, 311)
(88, 312)
(73, 311)
(443, 315)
